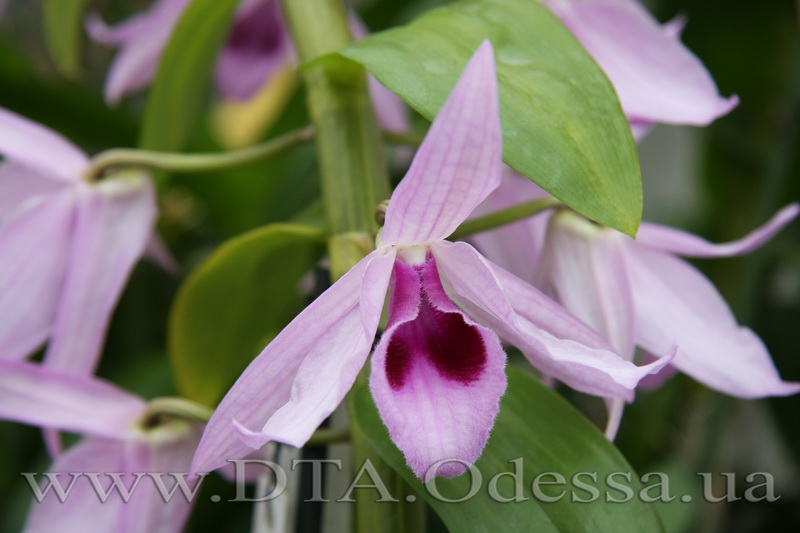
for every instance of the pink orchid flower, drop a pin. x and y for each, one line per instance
(638, 292)
(438, 370)
(656, 77)
(259, 46)
(68, 246)
(115, 444)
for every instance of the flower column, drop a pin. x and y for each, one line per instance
(352, 167)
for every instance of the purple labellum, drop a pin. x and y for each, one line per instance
(438, 336)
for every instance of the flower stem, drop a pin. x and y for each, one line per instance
(170, 407)
(505, 216)
(353, 172)
(178, 162)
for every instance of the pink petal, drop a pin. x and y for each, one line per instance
(142, 40)
(684, 243)
(640, 128)
(437, 377)
(158, 252)
(37, 395)
(35, 245)
(675, 26)
(38, 148)
(654, 381)
(516, 247)
(166, 450)
(656, 77)
(677, 304)
(554, 341)
(587, 269)
(117, 35)
(458, 164)
(82, 509)
(114, 222)
(258, 45)
(303, 374)
(163, 451)
(22, 187)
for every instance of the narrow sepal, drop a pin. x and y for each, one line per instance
(458, 164)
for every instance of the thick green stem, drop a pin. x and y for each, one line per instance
(178, 162)
(503, 217)
(353, 171)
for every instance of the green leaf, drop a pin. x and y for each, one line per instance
(542, 433)
(678, 514)
(235, 303)
(178, 93)
(563, 126)
(63, 31)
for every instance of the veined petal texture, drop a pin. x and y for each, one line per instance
(437, 376)
(676, 304)
(681, 242)
(588, 271)
(553, 340)
(458, 164)
(115, 220)
(656, 77)
(35, 245)
(114, 484)
(303, 374)
(37, 395)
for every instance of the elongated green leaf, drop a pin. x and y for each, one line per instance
(545, 437)
(235, 303)
(563, 126)
(63, 30)
(178, 91)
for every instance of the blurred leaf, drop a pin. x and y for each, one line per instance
(544, 434)
(65, 106)
(63, 31)
(677, 515)
(178, 92)
(235, 303)
(563, 126)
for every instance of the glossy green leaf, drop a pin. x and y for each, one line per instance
(179, 90)
(563, 126)
(544, 436)
(235, 303)
(63, 31)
